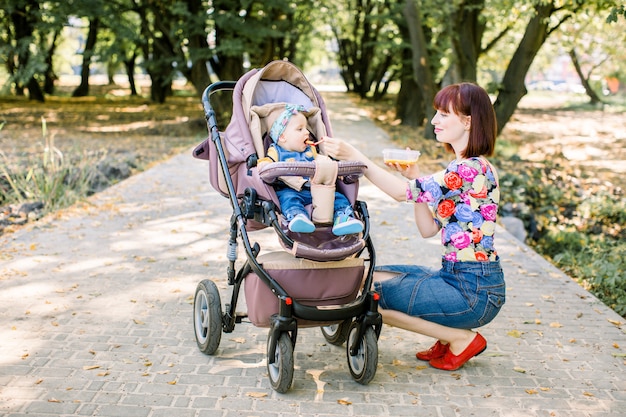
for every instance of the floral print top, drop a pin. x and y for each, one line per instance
(464, 198)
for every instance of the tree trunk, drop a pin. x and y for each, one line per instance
(49, 76)
(421, 69)
(83, 89)
(24, 29)
(129, 64)
(467, 39)
(199, 72)
(593, 97)
(512, 87)
(410, 104)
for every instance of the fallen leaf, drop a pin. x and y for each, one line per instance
(531, 391)
(392, 374)
(544, 388)
(344, 402)
(615, 345)
(105, 373)
(520, 370)
(514, 333)
(256, 394)
(421, 367)
(53, 400)
(39, 381)
(556, 324)
(588, 394)
(138, 321)
(238, 340)
(173, 382)
(615, 322)
(396, 362)
(90, 367)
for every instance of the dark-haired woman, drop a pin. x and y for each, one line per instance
(461, 201)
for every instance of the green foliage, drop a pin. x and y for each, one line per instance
(581, 232)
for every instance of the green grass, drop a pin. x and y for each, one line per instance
(51, 179)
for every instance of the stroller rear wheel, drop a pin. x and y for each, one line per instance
(207, 317)
(363, 364)
(336, 334)
(280, 371)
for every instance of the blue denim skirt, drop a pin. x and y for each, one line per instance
(462, 295)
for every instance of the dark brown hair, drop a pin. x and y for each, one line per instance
(468, 99)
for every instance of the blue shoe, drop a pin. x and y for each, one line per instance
(301, 224)
(346, 225)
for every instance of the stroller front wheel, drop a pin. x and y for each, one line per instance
(280, 371)
(207, 317)
(363, 364)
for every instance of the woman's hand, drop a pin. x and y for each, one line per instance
(411, 171)
(341, 150)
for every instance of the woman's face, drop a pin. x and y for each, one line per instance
(451, 128)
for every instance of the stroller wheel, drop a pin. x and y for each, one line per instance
(363, 364)
(336, 334)
(280, 371)
(207, 317)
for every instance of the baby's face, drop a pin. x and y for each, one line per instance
(296, 134)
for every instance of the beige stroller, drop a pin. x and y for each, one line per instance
(317, 280)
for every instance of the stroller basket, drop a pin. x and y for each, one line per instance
(320, 280)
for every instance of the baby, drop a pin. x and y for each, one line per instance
(291, 143)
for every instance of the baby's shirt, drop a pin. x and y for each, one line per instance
(464, 198)
(278, 153)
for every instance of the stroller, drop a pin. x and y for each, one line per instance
(317, 280)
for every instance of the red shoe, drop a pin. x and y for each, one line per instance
(452, 362)
(436, 351)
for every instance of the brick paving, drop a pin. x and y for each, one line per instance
(96, 319)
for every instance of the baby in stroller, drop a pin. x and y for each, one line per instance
(291, 142)
(321, 278)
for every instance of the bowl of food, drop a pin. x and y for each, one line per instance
(402, 157)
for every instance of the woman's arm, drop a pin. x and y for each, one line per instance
(424, 220)
(390, 184)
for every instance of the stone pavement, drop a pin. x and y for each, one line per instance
(96, 319)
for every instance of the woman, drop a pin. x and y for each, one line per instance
(461, 201)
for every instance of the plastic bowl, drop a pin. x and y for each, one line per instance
(400, 156)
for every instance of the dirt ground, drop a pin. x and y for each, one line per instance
(98, 126)
(593, 141)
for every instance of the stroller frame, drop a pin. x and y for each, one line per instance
(358, 322)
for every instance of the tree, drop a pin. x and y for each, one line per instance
(540, 26)
(366, 35)
(22, 64)
(88, 52)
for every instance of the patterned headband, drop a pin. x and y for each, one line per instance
(279, 126)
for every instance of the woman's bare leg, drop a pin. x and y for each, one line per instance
(458, 339)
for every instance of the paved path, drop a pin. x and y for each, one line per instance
(96, 319)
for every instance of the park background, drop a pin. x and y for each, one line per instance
(94, 91)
